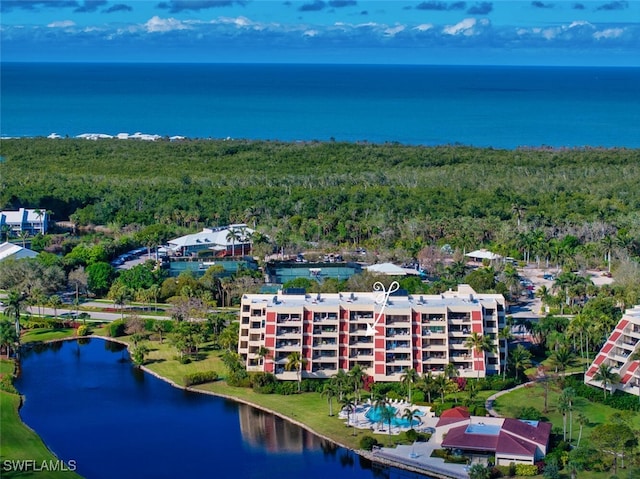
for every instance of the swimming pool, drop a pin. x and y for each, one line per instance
(481, 428)
(374, 415)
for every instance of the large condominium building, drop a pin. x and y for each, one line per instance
(384, 336)
(618, 353)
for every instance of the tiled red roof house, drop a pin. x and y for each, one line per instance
(510, 440)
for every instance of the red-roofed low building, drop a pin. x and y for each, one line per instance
(618, 352)
(509, 440)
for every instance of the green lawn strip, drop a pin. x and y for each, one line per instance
(46, 334)
(18, 442)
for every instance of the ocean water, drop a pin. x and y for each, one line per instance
(502, 107)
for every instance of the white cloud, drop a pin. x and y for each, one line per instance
(393, 31)
(157, 24)
(237, 21)
(465, 27)
(62, 24)
(608, 33)
(424, 27)
(549, 33)
(580, 23)
(310, 33)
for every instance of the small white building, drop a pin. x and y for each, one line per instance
(481, 254)
(14, 251)
(31, 221)
(232, 240)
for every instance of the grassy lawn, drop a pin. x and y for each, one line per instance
(510, 404)
(533, 396)
(18, 442)
(46, 334)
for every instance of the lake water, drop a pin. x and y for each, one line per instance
(90, 405)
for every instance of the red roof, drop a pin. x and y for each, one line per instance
(601, 357)
(453, 415)
(614, 336)
(458, 412)
(457, 439)
(621, 325)
(626, 378)
(508, 444)
(606, 348)
(633, 366)
(538, 434)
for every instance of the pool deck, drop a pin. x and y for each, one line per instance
(361, 421)
(416, 457)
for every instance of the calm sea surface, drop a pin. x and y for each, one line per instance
(90, 405)
(503, 107)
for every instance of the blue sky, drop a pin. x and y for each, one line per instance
(543, 32)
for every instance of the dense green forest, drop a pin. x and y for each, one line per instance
(385, 195)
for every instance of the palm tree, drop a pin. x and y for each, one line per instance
(350, 407)
(440, 383)
(479, 344)
(5, 229)
(563, 408)
(569, 394)
(505, 335)
(15, 307)
(409, 377)
(357, 376)
(55, 302)
(23, 235)
(262, 353)
(583, 421)
(341, 381)
(608, 243)
(329, 390)
(520, 359)
(154, 292)
(159, 327)
(544, 294)
(411, 415)
(8, 336)
(387, 415)
(563, 358)
(119, 294)
(606, 375)
(426, 384)
(296, 361)
(233, 235)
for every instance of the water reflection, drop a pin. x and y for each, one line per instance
(264, 430)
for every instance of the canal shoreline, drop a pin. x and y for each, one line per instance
(370, 455)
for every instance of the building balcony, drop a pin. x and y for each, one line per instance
(438, 333)
(459, 332)
(288, 346)
(435, 359)
(330, 331)
(361, 354)
(325, 344)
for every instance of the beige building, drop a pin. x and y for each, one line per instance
(385, 337)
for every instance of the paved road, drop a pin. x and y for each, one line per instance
(95, 315)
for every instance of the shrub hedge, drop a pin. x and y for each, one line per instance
(200, 378)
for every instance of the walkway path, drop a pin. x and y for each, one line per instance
(488, 405)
